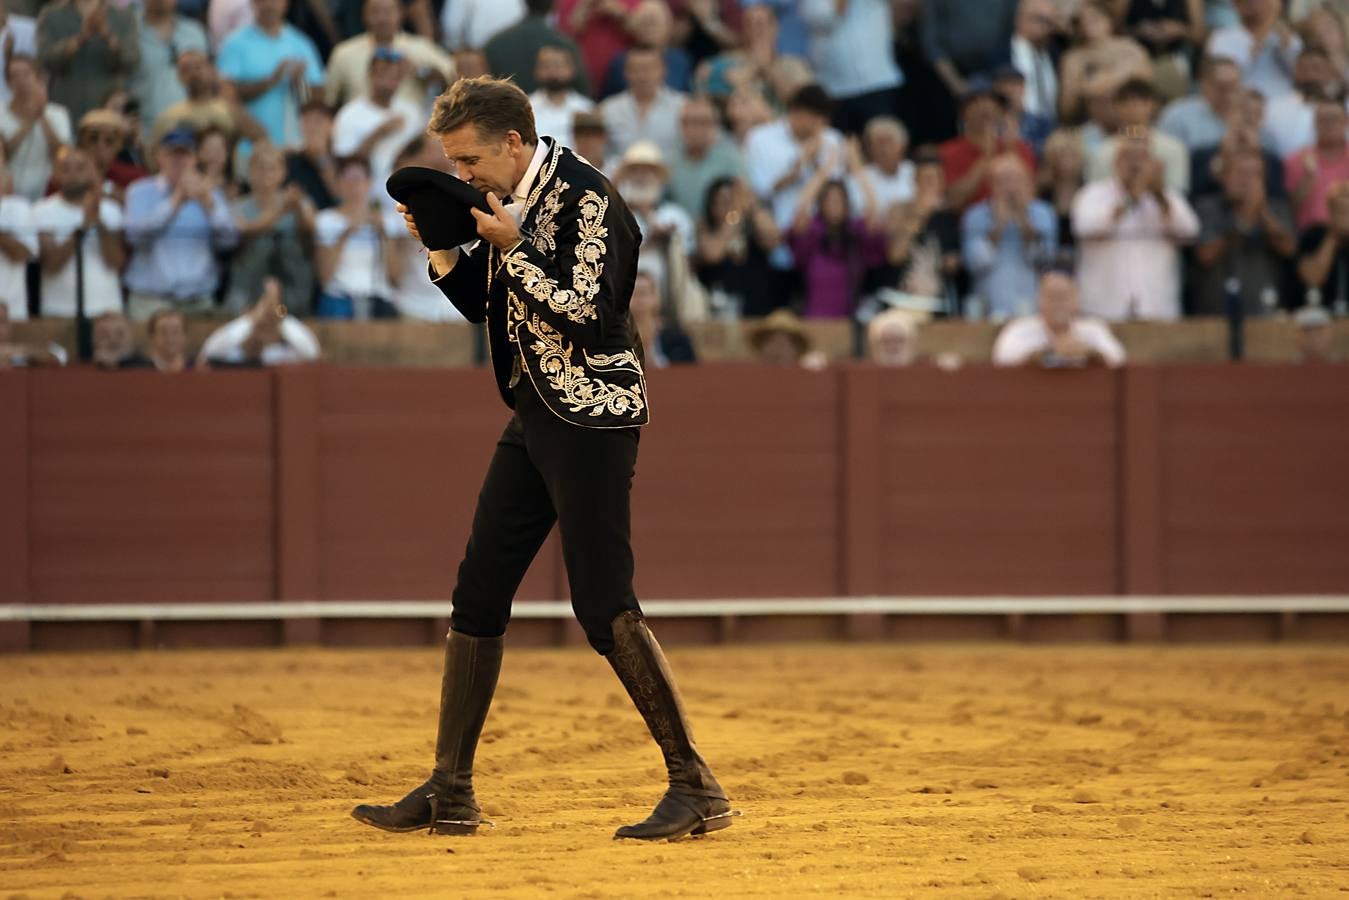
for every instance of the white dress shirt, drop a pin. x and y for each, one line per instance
(472, 23)
(1026, 336)
(298, 344)
(1129, 267)
(555, 119)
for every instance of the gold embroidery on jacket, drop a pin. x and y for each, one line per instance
(545, 229)
(578, 304)
(580, 390)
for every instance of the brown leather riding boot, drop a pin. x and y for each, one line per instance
(694, 804)
(445, 803)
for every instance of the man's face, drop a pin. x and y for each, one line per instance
(645, 71)
(886, 147)
(1058, 301)
(1331, 121)
(173, 162)
(893, 345)
(929, 179)
(642, 185)
(76, 174)
(102, 143)
(1009, 183)
(759, 22)
(269, 13)
(650, 24)
(169, 338)
(383, 18)
(1256, 12)
(1035, 21)
(697, 126)
(385, 76)
(195, 73)
(489, 164)
(112, 337)
(316, 129)
(553, 69)
(1312, 74)
(981, 115)
(1131, 159)
(23, 78)
(353, 184)
(805, 124)
(1135, 111)
(1314, 343)
(1246, 173)
(1223, 86)
(779, 349)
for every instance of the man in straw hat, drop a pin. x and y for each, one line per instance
(552, 275)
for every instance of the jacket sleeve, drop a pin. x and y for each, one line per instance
(572, 289)
(466, 284)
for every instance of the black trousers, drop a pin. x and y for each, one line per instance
(547, 471)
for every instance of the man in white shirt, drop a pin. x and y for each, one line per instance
(647, 110)
(472, 23)
(1057, 337)
(851, 47)
(1037, 21)
(887, 143)
(263, 336)
(1128, 229)
(79, 204)
(18, 245)
(377, 126)
(429, 67)
(32, 128)
(555, 103)
(782, 155)
(18, 34)
(1263, 45)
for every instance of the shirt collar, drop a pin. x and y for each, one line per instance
(521, 192)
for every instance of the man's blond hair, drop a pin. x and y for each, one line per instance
(493, 105)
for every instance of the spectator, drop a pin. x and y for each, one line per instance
(746, 109)
(1061, 176)
(429, 68)
(358, 260)
(1097, 53)
(113, 346)
(707, 27)
(18, 34)
(378, 125)
(831, 246)
(964, 37)
(647, 110)
(600, 30)
(1315, 336)
(18, 247)
(312, 167)
(555, 102)
(967, 158)
(1262, 44)
(272, 66)
(751, 63)
(650, 24)
(167, 331)
(1128, 228)
(703, 157)
(591, 137)
(89, 47)
(264, 336)
(1201, 120)
(1207, 163)
(13, 354)
(176, 224)
(667, 230)
(1170, 30)
(922, 256)
(514, 52)
(1323, 255)
(1010, 85)
(665, 344)
(215, 161)
(103, 133)
(1136, 106)
(793, 35)
(892, 338)
(206, 104)
(79, 207)
(1326, 30)
(163, 36)
(1309, 174)
(1290, 120)
(472, 23)
(1246, 238)
(1057, 336)
(1032, 54)
(851, 47)
(736, 235)
(780, 339)
(1101, 114)
(470, 63)
(783, 155)
(1008, 239)
(276, 234)
(34, 130)
(891, 175)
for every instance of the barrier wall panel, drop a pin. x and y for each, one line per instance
(1255, 485)
(401, 455)
(998, 482)
(146, 488)
(737, 485)
(14, 549)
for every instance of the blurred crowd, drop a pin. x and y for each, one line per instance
(1055, 164)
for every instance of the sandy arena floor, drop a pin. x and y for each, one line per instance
(979, 771)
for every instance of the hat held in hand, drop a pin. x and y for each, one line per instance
(439, 204)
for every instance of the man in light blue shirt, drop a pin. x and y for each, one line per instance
(175, 223)
(1007, 240)
(852, 48)
(1200, 120)
(274, 67)
(1262, 44)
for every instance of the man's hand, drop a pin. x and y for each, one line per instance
(498, 229)
(391, 125)
(407, 221)
(91, 203)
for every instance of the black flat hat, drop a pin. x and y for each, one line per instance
(439, 204)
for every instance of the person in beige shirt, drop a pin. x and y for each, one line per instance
(1136, 108)
(207, 104)
(430, 68)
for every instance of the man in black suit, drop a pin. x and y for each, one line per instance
(552, 275)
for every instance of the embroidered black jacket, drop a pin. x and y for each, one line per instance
(556, 305)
